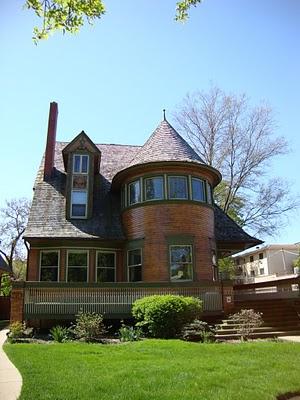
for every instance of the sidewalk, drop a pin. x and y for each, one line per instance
(10, 378)
(290, 339)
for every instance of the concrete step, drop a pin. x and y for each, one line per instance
(260, 335)
(260, 329)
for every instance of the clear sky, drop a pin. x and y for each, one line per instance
(112, 80)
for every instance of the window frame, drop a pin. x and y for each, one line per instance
(163, 187)
(87, 267)
(134, 265)
(86, 190)
(170, 245)
(53, 266)
(114, 268)
(194, 178)
(81, 155)
(186, 185)
(138, 180)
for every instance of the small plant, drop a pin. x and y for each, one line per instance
(59, 334)
(89, 327)
(130, 333)
(163, 316)
(198, 331)
(247, 321)
(16, 331)
(5, 285)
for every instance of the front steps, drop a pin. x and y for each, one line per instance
(281, 318)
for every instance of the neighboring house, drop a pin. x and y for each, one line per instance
(265, 263)
(4, 267)
(110, 223)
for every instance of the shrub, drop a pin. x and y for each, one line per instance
(130, 333)
(5, 285)
(16, 331)
(59, 334)
(198, 331)
(89, 327)
(247, 321)
(164, 316)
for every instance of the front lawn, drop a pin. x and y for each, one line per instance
(157, 370)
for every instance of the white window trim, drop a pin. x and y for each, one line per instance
(170, 262)
(58, 266)
(186, 185)
(134, 265)
(86, 205)
(88, 261)
(88, 164)
(163, 186)
(115, 267)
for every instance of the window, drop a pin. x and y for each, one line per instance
(178, 188)
(77, 266)
(261, 256)
(154, 188)
(209, 193)
(181, 263)
(134, 192)
(79, 193)
(251, 258)
(106, 266)
(134, 262)
(198, 189)
(49, 262)
(80, 163)
(252, 273)
(261, 271)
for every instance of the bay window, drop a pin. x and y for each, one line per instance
(198, 189)
(134, 192)
(49, 265)
(178, 188)
(106, 266)
(154, 188)
(77, 262)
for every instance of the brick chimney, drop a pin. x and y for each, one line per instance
(51, 139)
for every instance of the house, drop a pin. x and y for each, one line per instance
(111, 223)
(4, 267)
(266, 263)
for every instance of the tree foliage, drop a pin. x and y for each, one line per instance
(13, 220)
(239, 140)
(71, 15)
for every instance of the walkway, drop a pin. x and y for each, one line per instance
(10, 378)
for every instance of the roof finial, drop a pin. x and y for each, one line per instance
(164, 111)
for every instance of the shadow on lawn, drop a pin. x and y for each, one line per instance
(289, 396)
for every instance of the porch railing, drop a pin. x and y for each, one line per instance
(111, 300)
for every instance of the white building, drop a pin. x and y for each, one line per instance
(266, 262)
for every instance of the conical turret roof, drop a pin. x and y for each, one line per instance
(165, 144)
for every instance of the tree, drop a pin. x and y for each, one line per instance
(13, 220)
(239, 140)
(69, 15)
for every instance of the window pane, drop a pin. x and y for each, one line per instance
(209, 193)
(79, 182)
(79, 197)
(178, 187)
(49, 274)
(105, 274)
(198, 190)
(78, 210)
(49, 259)
(181, 254)
(106, 260)
(77, 274)
(134, 257)
(134, 192)
(76, 163)
(84, 164)
(135, 274)
(154, 188)
(77, 259)
(181, 272)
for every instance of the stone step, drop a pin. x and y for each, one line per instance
(260, 329)
(260, 335)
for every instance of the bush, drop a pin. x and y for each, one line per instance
(198, 331)
(247, 320)
(5, 285)
(130, 333)
(89, 327)
(60, 334)
(164, 316)
(16, 331)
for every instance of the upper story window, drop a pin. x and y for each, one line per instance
(134, 192)
(80, 164)
(181, 267)
(198, 189)
(154, 188)
(79, 193)
(106, 266)
(251, 259)
(49, 265)
(178, 187)
(261, 256)
(134, 264)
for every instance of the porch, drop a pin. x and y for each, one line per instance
(60, 300)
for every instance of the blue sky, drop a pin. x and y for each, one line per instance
(113, 79)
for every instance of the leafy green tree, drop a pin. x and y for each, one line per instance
(70, 15)
(5, 285)
(226, 267)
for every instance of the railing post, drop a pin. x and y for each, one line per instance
(228, 297)
(17, 302)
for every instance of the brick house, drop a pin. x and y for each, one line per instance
(112, 223)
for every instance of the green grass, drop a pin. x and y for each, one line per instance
(157, 370)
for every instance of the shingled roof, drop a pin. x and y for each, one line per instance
(3, 265)
(48, 212)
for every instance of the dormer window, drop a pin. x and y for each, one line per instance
(79, 194)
